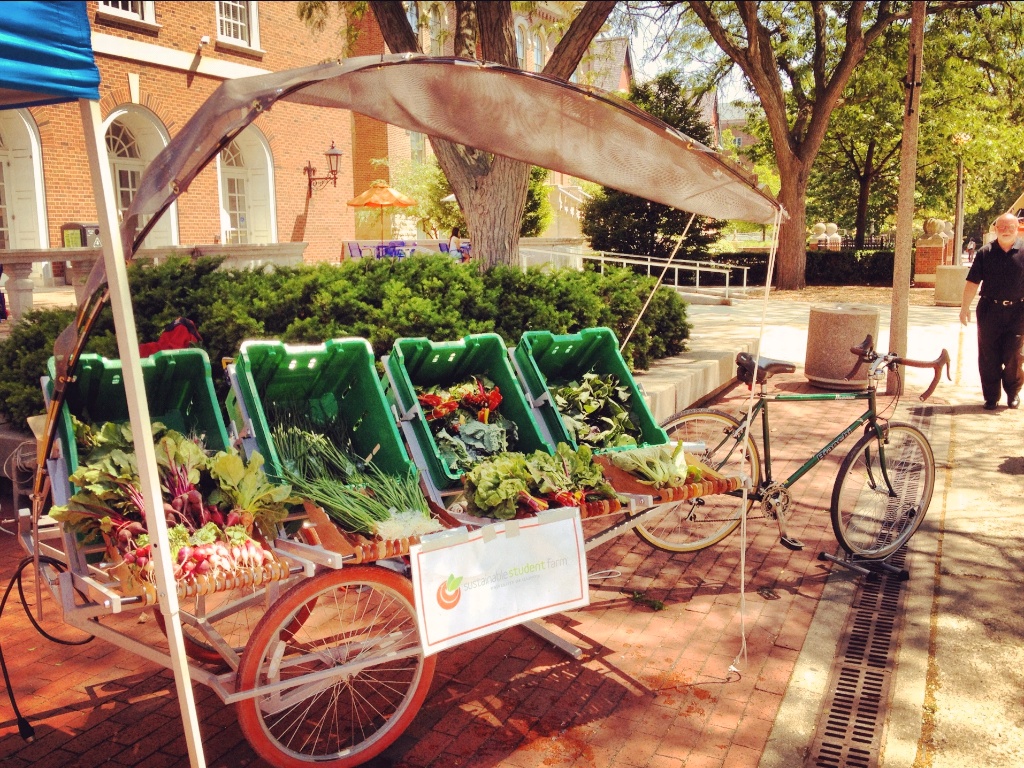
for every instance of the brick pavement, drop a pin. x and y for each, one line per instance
(653, 689)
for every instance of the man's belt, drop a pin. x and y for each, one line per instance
(1002, 302)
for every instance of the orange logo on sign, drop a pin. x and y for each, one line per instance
(448, 593)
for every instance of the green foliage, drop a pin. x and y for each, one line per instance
(537, 213)
(622, 223)
(823, 267)
(426, 184)
(377, 299)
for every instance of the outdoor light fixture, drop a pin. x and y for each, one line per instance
(315, 182)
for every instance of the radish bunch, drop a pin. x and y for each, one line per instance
(197, 555)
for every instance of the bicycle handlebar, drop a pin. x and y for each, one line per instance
(865, 353)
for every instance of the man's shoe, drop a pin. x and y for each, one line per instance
(990, 405)
(1013, 402)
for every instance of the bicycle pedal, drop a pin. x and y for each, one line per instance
(790, 543)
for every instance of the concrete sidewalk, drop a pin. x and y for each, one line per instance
(655, 688)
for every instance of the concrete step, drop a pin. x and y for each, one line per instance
(680, 382)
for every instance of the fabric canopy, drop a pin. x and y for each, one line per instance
(526, 116)
(46, 54)
(561, 126)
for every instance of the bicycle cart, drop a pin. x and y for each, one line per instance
(317, 645)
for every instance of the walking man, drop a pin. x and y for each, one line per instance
(998, 270)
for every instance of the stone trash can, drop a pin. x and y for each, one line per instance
(831, 331)
(949, 284)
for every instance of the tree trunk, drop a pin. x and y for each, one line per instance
(791, 262)
(861, 223)
(491, 190)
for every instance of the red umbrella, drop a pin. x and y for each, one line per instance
(380, 195)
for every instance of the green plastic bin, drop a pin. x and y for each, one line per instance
(421, 362)
(320, 381)
(179, 389)
(544, 359)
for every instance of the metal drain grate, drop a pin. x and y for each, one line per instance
(849, 733)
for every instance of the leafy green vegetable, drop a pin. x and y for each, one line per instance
(247, 490)
(597, 411)
(662, 466)
(499, 485)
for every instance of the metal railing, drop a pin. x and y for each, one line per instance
(654, 266)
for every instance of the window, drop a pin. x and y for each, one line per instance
(247, 214)
(417, 147)
(521, 47)
(237, 23)
(737, 142)
(436, 30)
(235, 197)
(134, 136)
(126, 164)
(538, 52)
(133, 11)
(412, 13)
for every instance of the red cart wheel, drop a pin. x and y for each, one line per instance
(348, 640)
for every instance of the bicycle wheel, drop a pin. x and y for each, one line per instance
(695, 524)
(348, 639)
(868, 520)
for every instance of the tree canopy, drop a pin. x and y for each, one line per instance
(796, 57)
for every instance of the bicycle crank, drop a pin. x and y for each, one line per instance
(775, 502)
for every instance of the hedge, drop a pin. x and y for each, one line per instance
(850, 267)
(380, 300)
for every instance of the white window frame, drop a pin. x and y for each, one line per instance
(436, 25)
(253, 43)
(521, 41)
(145, 17)
(539, 46)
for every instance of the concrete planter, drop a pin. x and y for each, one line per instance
(831, 332)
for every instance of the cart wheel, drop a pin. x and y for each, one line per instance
(348, 641)
(234, 614)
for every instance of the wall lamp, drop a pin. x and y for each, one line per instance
(319, 182)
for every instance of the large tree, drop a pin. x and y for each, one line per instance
(797, 57)
(490, 189)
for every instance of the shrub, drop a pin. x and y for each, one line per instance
(380, 300)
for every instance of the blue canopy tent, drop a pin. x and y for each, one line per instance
(46, 57)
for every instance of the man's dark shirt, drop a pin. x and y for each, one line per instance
(1001, 273)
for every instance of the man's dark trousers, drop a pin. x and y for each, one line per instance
(1000, 353)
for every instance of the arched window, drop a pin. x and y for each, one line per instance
(521, 47)
(436, 27)
(126, 164)
(538, 52)
(134, 137)
(246, 202)
(236, 201)
(22, 200)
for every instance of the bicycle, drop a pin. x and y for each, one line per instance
(881, 493)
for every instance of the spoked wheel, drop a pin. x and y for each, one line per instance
(233, 614)
(340, 657)
(871, 520)
(695, 524)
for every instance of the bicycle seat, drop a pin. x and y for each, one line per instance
(766, 368)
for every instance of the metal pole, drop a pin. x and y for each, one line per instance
(905, 203)
(138, 412)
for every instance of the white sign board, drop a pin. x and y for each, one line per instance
(471, 583)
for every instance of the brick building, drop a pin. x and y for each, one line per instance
(159, 61)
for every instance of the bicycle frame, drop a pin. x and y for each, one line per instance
(760, 408)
